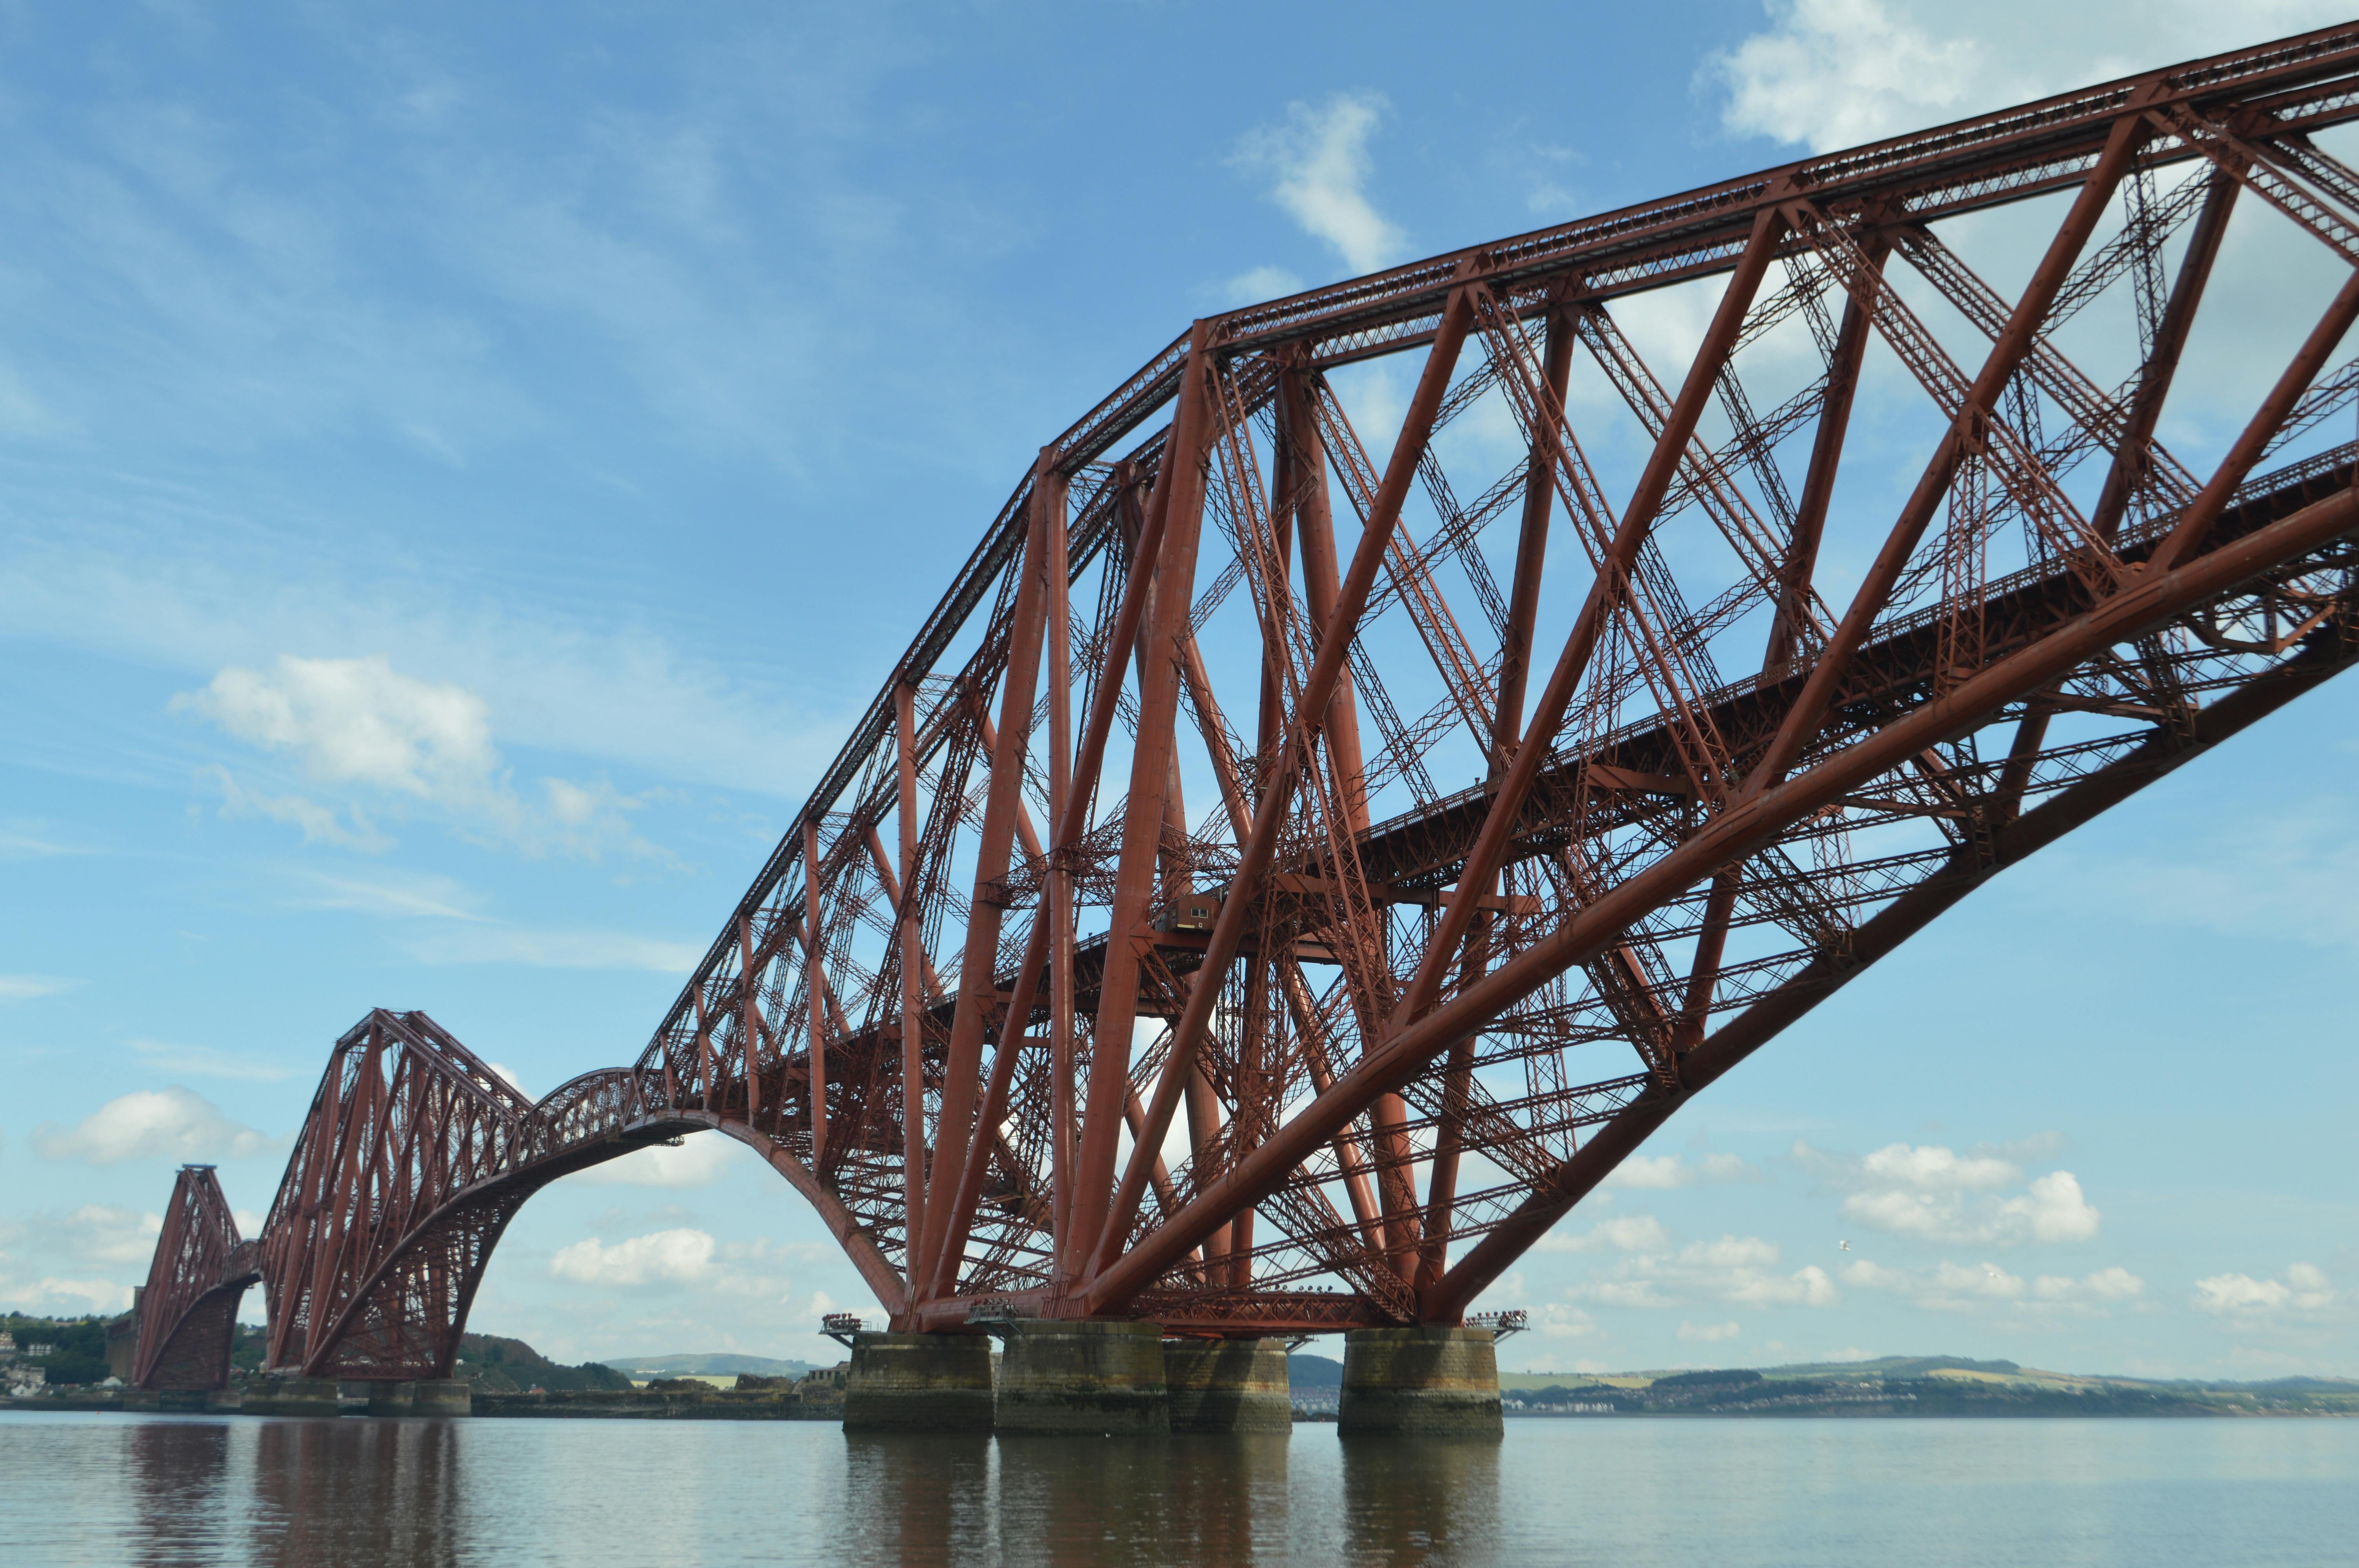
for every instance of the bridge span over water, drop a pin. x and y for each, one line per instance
(1552, 750)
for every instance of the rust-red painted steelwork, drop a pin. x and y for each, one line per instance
(188, 1310)
(1332, 1050)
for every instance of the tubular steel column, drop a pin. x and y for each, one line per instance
(1326, 669)
(1181, 496)
(913, 1039)
(959, 1126)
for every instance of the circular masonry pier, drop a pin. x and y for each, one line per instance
(291, 1396)
(1228, 1385)
(1096, 1378)
(919, 1382)
(1420, 1382)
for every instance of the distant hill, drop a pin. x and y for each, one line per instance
(1912, 1385)
(1314, 1372)
(720, 1363)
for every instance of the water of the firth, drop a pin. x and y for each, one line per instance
(1629, 1492)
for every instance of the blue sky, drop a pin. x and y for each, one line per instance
(461, 477)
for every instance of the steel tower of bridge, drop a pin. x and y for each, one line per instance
(1531, 798)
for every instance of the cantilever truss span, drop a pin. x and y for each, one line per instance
(1296, 860)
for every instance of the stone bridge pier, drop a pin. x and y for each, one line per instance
(1111, 1379)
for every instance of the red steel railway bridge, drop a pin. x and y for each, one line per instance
(1296, 862)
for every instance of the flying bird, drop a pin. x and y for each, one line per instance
(1844, 1245)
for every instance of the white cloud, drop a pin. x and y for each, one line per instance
(1935, 1194)
(1831, 73)
(65, 1297)
(699, 1162)
(1708, 1333)
(1834, 72)
(1935, 1169)
(1627, 1233)
(1735, 1269)
(1318, 163)
(204, 1062)
(1558, 1321)
(1944, 1287)
(359, 722)
(168, 1123)
(1964, 1287)
(1665, 1171)
(2113, 1284)
(29, 988)
(2305, 1288)
(2053, 1210)
(679, 1256)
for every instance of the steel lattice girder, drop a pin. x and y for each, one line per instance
(188, 1309)
(1306, 1059)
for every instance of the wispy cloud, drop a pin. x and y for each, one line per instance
(1318, 164)
(205, 1062)
(29, 988)
(94, 1233)
(318, 823)
(395, 894)
(37, 841)
(1625, 1233)
(2285, 875)
(556, 949)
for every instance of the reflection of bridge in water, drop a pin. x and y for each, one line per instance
(301, 1493)
(1333, 1052)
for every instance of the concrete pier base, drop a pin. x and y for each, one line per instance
(427, 1396)
(1228, 1385)
(186, 1401)
(919, 1382)
(291, 1396)
(1420, 1382)
(1097, 1378)
(440, 1396)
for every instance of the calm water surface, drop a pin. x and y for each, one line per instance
(1829, 1494)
